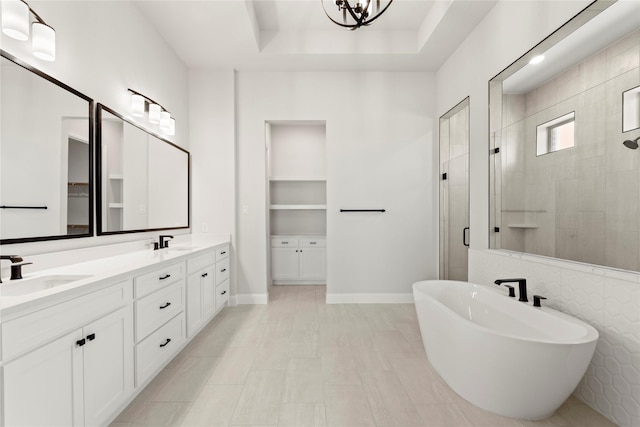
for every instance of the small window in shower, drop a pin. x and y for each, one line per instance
(556, 134)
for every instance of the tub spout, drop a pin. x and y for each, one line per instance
(522, 287)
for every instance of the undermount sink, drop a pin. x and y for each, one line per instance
(27, 286)
(179, 249)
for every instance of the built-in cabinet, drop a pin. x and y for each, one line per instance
(297, 202)
(79, 361)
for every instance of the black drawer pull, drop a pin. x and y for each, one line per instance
(166, 342)
(166, 276)
(223, 270)
(284, 243)
(91, 337)
(205, 274)
(223, 292)
(313, 243)
(165, 306)
(223, 252)
(81, 342)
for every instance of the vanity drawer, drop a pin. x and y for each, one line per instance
(222, 253)
(150, 282)
(30, 331)
(222, 291)
(222, 270)
(283, 242)
(158, 348)
(201, 261)
(155, 309)
(313, 242)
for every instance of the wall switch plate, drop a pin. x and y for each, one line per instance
(245, 210)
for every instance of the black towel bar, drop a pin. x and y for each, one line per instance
(23, 207)
(363, 210)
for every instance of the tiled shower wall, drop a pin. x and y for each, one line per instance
(607, 299)
(581, 203)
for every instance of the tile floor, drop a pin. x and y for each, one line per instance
(299, 362)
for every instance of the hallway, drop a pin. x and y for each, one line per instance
(300, 362)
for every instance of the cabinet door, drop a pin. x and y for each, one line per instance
(208, 283)
(313, 263)
(44, 387)
(108, 365)
(194, 302)
(284, 263)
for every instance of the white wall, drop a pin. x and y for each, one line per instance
(607, 299)
(380, 154)
(103, 48)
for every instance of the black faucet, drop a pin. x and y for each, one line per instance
(163, 241)
(522, 287)
(16, 266)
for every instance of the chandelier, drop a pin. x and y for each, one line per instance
(358, 15)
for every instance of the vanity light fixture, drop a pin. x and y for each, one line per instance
(15, 24)
(536, 59)
(357, 15)
(157, 113)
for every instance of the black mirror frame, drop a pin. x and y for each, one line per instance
(90, 119)
(99, 172)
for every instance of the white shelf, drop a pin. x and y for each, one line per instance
(298, 207)
(298, 178)
(522, 225)
(115, 176)
(116, 205)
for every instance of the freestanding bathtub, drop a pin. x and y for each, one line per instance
(502, 355)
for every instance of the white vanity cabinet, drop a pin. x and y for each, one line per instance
(69, 364)
(201, 291)
(298, 259)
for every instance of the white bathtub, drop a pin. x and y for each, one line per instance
(502, 355)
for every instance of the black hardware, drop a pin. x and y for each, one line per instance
(496, 150)
(312, 243)
(223, 270)
(166, 342)
(512, 292)
(363, 210)
(166, 276)
(81, 342)
(223, 252)
(522, 287)
(284, 243)
(163, 240)
(91, 337)
(22, 207)
(165, 306)
(223, 292)
(296, 251)
(465, 241)
(205, 274)
(13, 258)
(444, 176)
(156, 246)
(496, 229)
(536, 300)
(16, 270)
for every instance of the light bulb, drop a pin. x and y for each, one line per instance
(137, 105)
(536, 59)
(172, 127)
(15, 19)
(165, 121)
(154, 113)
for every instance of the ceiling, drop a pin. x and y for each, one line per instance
(296, 35)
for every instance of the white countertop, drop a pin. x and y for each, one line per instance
(99, 272)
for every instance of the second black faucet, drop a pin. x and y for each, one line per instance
(522, 287)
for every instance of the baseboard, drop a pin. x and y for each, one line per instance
(251, 299)
(370, 298)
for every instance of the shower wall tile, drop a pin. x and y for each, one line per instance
(593, 70)
(621, 249)
(569, 83)
(591, 234)
(607, 299)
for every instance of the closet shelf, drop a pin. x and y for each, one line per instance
(298, 178)
(298, 207)
(522, 225)
(116, 205)
(115, 176)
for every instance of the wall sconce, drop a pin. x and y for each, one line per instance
(157, 113)
(15, 24)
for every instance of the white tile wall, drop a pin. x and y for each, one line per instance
(607, 299)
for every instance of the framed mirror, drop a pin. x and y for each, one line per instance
(563, 184)
(46, 151)
(143, 180)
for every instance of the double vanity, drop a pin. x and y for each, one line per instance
(79, 342)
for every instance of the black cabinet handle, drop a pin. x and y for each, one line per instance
(166, 276)
(284, 243)
(166, 342)
(91, 337)
(81, 342)
(223, 252)
(223, 270)
(165, 306)
(312, 243)
(223, 292)
(465, 241)
(536, 300)
(205, 274)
